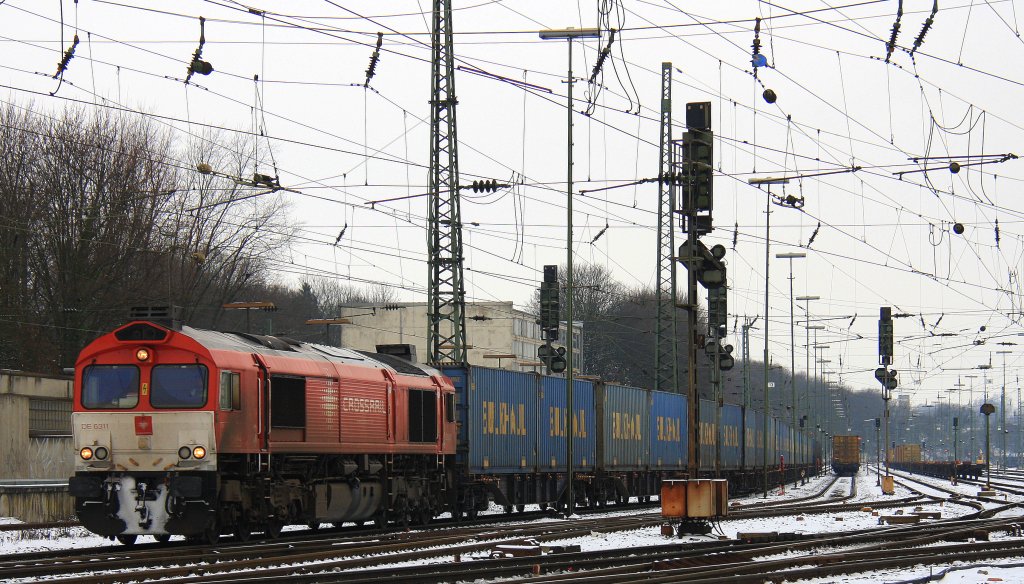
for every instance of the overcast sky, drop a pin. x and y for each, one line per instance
(883, 240)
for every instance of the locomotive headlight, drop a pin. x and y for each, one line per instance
(184, 452)
(101, 453)
(199, 452)
(85, 453)
(143, 354)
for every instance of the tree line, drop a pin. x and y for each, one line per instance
(101, 211)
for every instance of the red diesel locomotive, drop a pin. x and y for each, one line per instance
(198, 433)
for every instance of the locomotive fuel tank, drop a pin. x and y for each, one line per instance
(348, 501)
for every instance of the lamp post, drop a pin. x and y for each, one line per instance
(1002, 409)
(878, 455)
(987, 409)
(792, 344)
(569, 34)
(970, 406)
(767, 257)
(807, 343)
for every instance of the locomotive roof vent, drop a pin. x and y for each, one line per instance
(141, 332)
(403, 351)
(267, 341)
(167, 316)
(396, 363)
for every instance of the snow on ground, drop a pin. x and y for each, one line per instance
(72, 538)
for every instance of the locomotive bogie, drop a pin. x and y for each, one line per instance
(121, 504)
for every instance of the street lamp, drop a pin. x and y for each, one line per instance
(568, 34)
(792, 346)
(987, 409)
(767, 257)
(1002, 406)
(807, 343)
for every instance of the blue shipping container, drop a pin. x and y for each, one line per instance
(554, 423)
(752, 439)
(623, 440)
(706, 435)
(668, 431)
(498, 418)
(730, 430)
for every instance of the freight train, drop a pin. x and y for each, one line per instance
(846, 455)
(202, 433)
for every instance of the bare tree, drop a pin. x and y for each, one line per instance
(97, 213)
(97, 181)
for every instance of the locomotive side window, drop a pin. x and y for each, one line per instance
(449, 407)
(422, 416)
(110, 386)
(230, 391)
(178, 386)
(287, 402)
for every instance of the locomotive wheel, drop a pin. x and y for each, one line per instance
(243, 531)
(313, 525)
(425, 515)
(471, 513)
(127, 539)
(209, 537)
(162, 538)
(273, 529)
(379, 521)
(520, 508)
(507, 508)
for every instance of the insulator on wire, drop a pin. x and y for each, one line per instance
(891, 45)
(68, 55)
(925, 27)
(603, 56)
(374, 58)
(486, 186)
(198, 65)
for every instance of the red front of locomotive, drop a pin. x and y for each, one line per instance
(200, 433)
(146, 451)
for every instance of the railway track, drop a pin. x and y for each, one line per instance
(350, 551)
(715, 561)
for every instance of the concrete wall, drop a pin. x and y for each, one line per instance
(14, 442)
(36, 502)
(22, 457)
(35, 385)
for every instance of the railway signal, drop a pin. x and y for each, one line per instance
(550, 309)
(887, 377)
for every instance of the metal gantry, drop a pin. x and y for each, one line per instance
(446, 328)
(665, 360)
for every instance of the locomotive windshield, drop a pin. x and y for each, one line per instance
(110, 386)
(178, 386)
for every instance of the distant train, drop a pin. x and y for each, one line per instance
(202, 433)
(846, 455)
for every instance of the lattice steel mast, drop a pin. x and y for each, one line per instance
(665, 362)
(446, 296)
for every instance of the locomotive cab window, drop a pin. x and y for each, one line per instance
(422, 416)
(178, 386)
(110, 386)
(230, 391)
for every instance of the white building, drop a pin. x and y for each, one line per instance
(498, 334)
